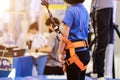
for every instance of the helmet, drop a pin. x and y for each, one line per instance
(74, 1)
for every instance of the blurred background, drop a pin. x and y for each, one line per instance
(17, 15)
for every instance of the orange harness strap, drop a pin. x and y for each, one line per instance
(73, 57)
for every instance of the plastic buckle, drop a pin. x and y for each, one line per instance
(67, 62)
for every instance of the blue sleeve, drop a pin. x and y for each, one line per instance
(68, 18)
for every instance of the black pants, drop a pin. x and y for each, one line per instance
(104, 25)
(73, 72)
(53, 70)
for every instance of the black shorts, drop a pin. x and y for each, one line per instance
(50, 70)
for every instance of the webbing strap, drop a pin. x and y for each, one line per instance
(73, 57)
(77, 44)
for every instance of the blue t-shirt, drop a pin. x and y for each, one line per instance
(76, 17)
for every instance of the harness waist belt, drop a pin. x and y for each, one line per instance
(77, 44)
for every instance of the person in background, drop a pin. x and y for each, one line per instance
(76, 30)
(53, 66)
(104, 28)
(1, 36)
(34, 40)
(8, 38)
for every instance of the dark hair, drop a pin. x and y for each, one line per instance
(48, 21)
(33, 26)
(74, 1)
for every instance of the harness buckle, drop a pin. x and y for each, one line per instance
(67, 62)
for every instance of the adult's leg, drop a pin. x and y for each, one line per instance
(109, 51)
(103, 29)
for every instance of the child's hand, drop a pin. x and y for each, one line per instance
(61, 58)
